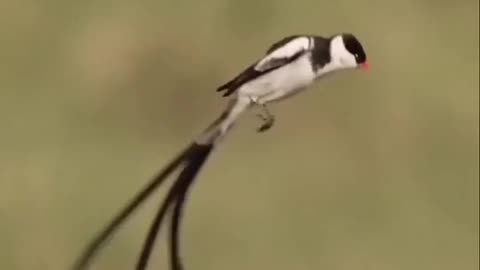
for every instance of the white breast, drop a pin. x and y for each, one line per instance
(280, 83)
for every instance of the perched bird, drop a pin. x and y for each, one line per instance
(288, 67)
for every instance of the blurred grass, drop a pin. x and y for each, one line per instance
(375, 171)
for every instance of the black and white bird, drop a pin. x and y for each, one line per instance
(288, 67)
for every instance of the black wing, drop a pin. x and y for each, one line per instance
(248, 74)
(253, 71)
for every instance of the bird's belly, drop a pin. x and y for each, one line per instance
(280, 83)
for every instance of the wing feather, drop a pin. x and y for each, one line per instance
(283, 53)
(280, 53)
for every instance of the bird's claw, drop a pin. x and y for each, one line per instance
(267, 123)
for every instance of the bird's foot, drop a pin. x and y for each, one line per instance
(268, 122)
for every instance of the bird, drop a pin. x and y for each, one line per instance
(288, 67)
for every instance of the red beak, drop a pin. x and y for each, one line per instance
(365, 65)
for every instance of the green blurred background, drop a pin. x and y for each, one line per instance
(366, 171)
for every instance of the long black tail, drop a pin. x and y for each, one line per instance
(192, 159)
(176, 199)
(186, 180)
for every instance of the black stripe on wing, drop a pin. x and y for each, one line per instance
(251, 73)
(248, 74)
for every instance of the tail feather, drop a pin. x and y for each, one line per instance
(91, 250)
(190, 161)
(176, 198)
(188, 178)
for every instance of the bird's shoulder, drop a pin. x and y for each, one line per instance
(290, 45)
(280, 53)
(280, 43)
(285, 51)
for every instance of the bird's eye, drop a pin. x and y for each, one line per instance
(356, 55)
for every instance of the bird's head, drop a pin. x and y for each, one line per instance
(347, 52)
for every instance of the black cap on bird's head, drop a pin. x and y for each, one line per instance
(356, 49)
